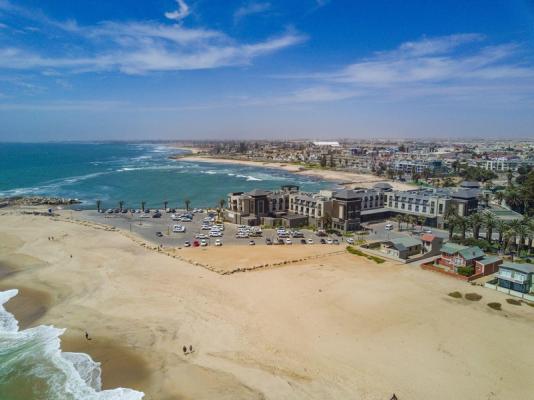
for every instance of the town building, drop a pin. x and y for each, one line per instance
(466, 260)
(516, 277)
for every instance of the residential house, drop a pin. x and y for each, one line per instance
(402, 248)
(467, 260)
(516, 277)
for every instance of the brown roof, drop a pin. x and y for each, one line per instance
(427, 237)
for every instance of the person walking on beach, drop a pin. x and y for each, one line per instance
(87, 336)
(190, 348)
(184, 349)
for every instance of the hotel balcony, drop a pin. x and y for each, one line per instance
(515, 279)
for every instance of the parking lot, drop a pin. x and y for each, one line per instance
(160, 230)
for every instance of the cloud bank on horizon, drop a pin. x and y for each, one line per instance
(263, 69)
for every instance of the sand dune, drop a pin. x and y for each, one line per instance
(337, 326)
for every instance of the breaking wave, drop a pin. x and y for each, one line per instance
(32, 364)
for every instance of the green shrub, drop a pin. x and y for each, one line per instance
(456, 295)
(358, 252)
(466, 271)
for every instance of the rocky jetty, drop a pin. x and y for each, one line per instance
(36, 201)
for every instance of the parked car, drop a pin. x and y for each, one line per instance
(201, 236)
(310, 241)
(335, 241)
(156, 215)
(302, 241)
(218, 242)
(350, 240)
(251, 243)
(187, 243)
(159, 234)
(389, 227)
(203, 242)
(280, 241)
(323, 241)
(329, 241)
(268, 242)
(288, 241)
(196, 243)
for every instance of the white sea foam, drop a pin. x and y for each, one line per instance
(35, 354)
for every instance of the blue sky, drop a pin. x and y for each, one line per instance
(188, 69)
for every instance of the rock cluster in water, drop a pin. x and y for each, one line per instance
(36, 201)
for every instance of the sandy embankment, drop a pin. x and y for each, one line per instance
(349, 179)
(333, 327)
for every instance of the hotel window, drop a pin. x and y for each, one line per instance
(440, 209)
(417, 208)
(424, 209)
(403, 206)
(410, 207)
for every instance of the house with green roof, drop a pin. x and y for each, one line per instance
(402, 248)
(467, 260)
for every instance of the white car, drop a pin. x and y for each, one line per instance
(215, 234)
(389, 227)
(242, 236)
(144, 216)
(203, 242)
(187, 243)
(218, 242)
(201, 236)
(309, 241)
(288, 241)
(350, 240)
(178, 229)
(329, 241)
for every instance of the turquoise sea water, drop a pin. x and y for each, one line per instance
(132, 173)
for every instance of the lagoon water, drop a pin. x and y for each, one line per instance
(131, 172)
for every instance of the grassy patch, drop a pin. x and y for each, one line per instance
(528, 303)
(456, 295)
(495, 306)
(473, 296)
(514, 302)
(360, 253)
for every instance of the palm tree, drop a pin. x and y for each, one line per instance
(220, 209)
(475, 222)
(412, 220)
(522, 230)
(187, 204)
(98, 204)
(121, 204)
(509, 176)
(450, 218)
(420, 221)
(143, 203)
(165, 203)
(502, 227)
(530, 235)
(489, 223)
(398, 219)
(513, 198)
(515, 230)
(462, 224)
(499, 196)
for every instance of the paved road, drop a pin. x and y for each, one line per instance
(378, 231)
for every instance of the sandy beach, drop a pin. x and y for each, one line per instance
(332, 327)
(349, 179)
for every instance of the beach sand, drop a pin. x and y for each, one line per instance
(349, 179)
(337, 326)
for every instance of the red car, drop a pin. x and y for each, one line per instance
(196, 243)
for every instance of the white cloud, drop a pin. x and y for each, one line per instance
(455, 68)
(138, 47)
(250, 9)
(182, 12)
(3, 26)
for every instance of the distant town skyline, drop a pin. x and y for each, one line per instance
(324, 69)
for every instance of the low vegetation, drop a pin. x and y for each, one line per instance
(456, 295)
(357, 252)
(513, 302)
(473, 296)
(495, 306)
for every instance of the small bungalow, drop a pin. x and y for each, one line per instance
(516, 277)
(402, 248)
(467, 260)
(430, 242)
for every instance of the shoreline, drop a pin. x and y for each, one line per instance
(344, 178)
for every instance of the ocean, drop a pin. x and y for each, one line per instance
(32, 365)
(129, 172)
